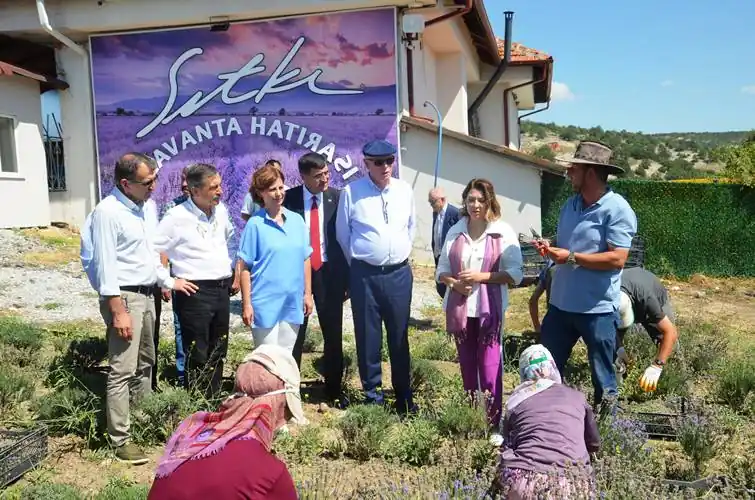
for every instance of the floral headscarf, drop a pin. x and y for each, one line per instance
(266, 388)
(537, 371)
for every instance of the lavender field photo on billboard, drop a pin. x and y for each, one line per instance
(272, 89)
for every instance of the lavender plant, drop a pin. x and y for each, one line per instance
(624, 437)
(697, 436)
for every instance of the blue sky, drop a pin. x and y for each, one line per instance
(660, 66)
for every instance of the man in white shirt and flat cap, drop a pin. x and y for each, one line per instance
(375, 227)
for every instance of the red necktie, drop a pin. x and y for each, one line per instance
(314, 235)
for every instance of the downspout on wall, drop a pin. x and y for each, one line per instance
(508, 17)
(535, 81)
(410, 60)
(44, 21)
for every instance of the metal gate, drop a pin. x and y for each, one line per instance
(53, 141)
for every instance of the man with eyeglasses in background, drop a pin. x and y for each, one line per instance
(375, 226)
(445, 216)
(317, 203)
(118, 255)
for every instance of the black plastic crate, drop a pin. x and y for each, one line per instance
(533, 262)
(21, 451)
(661, 425)
(636, 256)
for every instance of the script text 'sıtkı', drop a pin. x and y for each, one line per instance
(279, 82)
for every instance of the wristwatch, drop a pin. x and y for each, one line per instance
(571, 259)
(659, 363)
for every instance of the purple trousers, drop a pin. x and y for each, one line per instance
(481, 368)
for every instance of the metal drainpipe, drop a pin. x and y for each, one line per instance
(509, 17)
(525, 115)
(506, 103)
(44, 21)
(409, 59)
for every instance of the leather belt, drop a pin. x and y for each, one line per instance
(141, 289)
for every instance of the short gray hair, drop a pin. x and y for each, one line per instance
(198, 173)
(438, 192)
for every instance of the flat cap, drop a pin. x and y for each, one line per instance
(379, 149)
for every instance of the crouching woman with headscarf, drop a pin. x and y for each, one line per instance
(549, 431)
(226, 454)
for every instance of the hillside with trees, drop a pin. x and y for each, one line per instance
(666, 156)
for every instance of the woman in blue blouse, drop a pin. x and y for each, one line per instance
(276, 292)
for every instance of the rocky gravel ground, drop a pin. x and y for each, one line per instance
(62, 292)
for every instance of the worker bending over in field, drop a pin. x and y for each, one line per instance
(644, 300)
(543, 286)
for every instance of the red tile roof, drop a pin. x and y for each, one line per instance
(522, 54)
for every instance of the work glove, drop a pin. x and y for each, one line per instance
(649, 380)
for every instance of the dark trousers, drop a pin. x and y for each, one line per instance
(561, 330)
(382, 294)
(439, 287)
(329, 294)
(205, 320)
(158, 311)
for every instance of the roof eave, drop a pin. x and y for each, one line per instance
(542, 89)
(45, 83)
(483, 36)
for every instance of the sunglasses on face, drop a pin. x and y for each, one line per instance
(384, 161)
(147, 183)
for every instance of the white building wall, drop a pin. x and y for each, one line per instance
(425, 86)
(80, 197)
(517, 185)
(24, 192)
(490, 114)
(513, 119)
(451, 81)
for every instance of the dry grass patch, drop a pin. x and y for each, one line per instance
(62, 246)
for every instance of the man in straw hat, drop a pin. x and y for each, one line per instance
(595, 230)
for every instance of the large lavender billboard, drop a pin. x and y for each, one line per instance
(237, 98)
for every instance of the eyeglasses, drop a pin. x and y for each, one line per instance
(384, 161)
(147, 183)
(321, 176)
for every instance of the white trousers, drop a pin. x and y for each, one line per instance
(283, 334)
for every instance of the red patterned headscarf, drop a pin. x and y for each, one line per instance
(255, 411)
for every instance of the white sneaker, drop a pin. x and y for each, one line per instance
(496, 440)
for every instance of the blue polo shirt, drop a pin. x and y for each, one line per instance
(609, 221)
(275, 256)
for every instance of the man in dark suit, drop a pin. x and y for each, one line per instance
(445, 216)
(317, 204)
